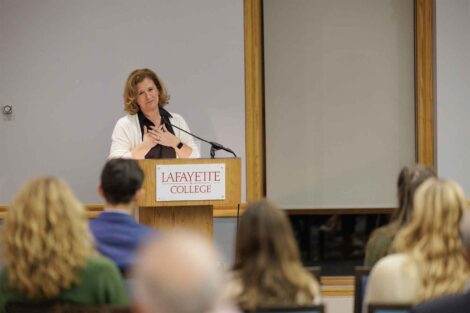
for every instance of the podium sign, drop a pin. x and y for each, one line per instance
(217, 180)
(190, 182)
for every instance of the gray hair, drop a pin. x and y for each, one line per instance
(178, 274)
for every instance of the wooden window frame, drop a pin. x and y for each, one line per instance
(254, 92)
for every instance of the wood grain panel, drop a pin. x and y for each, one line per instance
(337, 286)
(424, 80)
(197, 218)
(254, 101)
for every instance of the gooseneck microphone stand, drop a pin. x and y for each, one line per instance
(214, 145)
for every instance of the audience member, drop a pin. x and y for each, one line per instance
(267, 271)
(149, 131)
(409, 179)
(117, 233)
(177, 274)
(455, 303)
(431, 258)
(48, 251)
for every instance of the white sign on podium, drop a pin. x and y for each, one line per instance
(189, 182)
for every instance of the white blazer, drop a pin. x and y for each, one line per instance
(127, 135)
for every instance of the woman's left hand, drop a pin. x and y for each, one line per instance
(165, 138)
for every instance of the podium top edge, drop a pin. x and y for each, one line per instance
(189, 159)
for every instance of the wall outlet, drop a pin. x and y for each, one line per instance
(7, 109)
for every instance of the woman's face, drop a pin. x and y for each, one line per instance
(147, 96)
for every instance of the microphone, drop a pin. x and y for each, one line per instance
(214, 145)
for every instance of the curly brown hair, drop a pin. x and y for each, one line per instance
(45, 240)
(130, 89)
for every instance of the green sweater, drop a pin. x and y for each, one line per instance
(379, 244)
(100, 283)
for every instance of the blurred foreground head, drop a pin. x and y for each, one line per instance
(179, 273)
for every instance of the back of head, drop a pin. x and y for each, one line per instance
(432, 238)
(121, 179)
(177, 274)
(267, 261)
(45, 238)
(409, 179)
(264, 237)
(438, 208)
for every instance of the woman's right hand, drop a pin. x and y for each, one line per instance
(150, 138)
(148, 142)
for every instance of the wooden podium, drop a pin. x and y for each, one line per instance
(196, 215)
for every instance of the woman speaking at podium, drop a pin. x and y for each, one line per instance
(146, 131)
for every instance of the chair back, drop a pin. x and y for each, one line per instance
(75, 308)
(389, 308)
(32, 307)
(361, 275)
(51, 307)
(296, 309)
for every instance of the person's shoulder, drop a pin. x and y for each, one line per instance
(99, 224)
(378, 245)
(145, 232)
(393, 260)
(380, 236)
(98, 264)
(385, 230)
(148, 229)
(175, 117)
(396, 267)
(3, 277)
(392, 281)
(127, 119)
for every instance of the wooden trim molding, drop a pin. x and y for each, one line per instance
(337, 286)
(254, 100)
(342, 211)
(424, 80)
(94, 209)
(229, 211)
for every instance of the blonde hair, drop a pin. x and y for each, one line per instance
(45, 239)
(130, 89)
(432, 238)
(267, 261)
